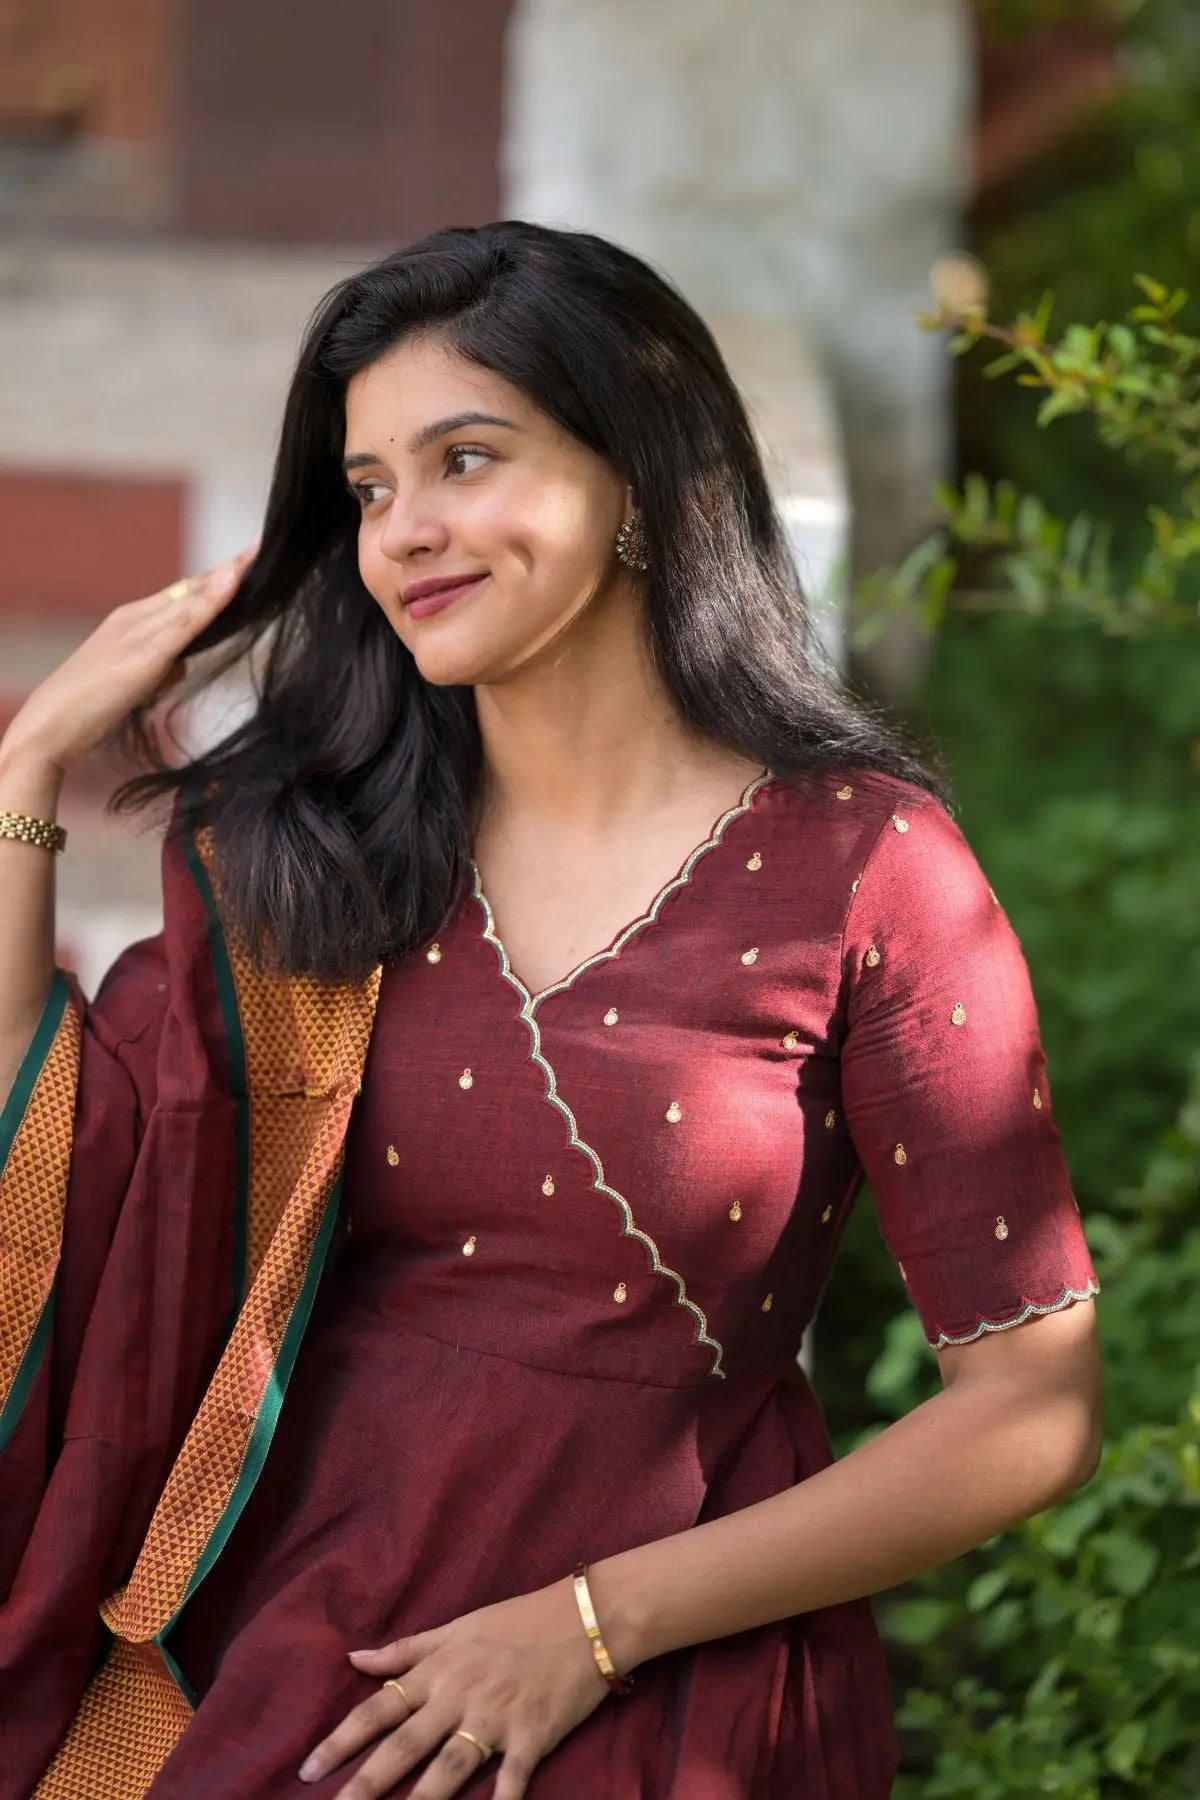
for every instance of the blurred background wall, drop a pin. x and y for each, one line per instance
(181, 179)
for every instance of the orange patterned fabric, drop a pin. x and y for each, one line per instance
(128, 1721)
(33, 1189)
(305, 1046)
(201, 1483)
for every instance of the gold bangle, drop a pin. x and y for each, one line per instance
(24, 830)
(620, 1684)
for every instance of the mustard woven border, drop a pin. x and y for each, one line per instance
(36, 1131)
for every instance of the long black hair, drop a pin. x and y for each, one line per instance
(343, 808)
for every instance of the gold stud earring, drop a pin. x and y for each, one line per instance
(631, 544)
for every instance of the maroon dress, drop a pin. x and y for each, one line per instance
(583, 1234)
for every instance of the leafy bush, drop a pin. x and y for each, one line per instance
(1063, 1657)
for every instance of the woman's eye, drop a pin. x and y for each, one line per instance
(460, 450)
(365, 491)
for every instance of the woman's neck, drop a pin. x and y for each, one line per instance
(589, 736)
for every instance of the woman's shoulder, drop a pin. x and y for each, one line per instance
(843, 812)
(869, 838)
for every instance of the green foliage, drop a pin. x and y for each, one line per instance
(1120, 193)
(1063, 1657)
(1139, 382)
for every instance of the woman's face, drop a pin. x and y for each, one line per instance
(514, 499)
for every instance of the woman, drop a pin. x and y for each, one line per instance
(546, 961)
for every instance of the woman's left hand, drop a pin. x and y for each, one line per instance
(519, 1674)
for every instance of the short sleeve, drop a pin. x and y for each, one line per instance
(945, 1092)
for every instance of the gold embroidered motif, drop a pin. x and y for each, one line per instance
(827, 1215)
(899, 1154)
(1037, 1100)
(673, 1113)
(611, 1016)
(393, 1155)
(959, 1015)
(554, 1098)
(900, 824)
(548, 1186)
(434, 953)
(749, 956)
(1028, 1311)
(735, 1211)
(466, 1079)
(844, 793)
(755, 861)
(872, 958)
(620, 1293)
(1001, 1228)
(468, 1248)
(791, 1041)
(768, 1303)
(854, 884)
(830, 1119)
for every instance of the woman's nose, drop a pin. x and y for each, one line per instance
(412, 525)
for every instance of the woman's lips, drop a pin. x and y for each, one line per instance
(432, 603)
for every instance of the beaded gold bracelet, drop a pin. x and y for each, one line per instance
(620, 1684)
(42, 832)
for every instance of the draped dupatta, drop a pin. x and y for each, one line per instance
(170, 1174)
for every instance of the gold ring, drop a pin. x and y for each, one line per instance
(178, 589)
(399, 1687)
(478, 1742)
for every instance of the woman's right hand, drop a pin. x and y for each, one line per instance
(134, 655)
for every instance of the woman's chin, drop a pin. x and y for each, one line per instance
(449, 665)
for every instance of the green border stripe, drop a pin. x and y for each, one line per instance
(177, 1676)
(27, 1368)
(267, 1418)
(32, 1064)
(11, 1119)
(236, 1047)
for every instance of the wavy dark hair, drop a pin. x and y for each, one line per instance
(343, 808)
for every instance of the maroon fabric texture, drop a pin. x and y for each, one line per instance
(144, 1292)
(945, 1089)
(464, 1427)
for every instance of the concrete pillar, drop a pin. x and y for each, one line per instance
(797, 168)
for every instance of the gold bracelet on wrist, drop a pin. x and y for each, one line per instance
(42, 832)
(620, 1684)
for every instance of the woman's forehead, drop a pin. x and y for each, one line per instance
(419, 389)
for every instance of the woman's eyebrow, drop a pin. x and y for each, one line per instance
(428, 434)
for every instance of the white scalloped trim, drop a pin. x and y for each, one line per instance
(1026, 1312)
(650, 915)
(628, 1227)
(529, 1005)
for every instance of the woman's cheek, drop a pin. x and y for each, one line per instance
(372, 569)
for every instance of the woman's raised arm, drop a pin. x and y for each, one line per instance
(135, 653)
